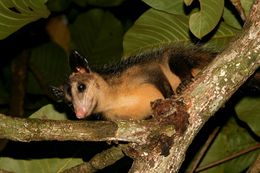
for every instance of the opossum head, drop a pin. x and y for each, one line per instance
(81, 91)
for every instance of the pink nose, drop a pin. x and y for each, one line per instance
(80, 113)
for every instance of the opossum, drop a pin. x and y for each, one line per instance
(125, 89)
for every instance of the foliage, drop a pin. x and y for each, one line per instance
(227, 143)
(99, 29)
(248, 111)
(105, 31)
(38, 165)
(15, 14)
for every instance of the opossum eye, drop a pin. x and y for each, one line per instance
(81, 87)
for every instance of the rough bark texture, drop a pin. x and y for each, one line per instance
(209, 92)
(26, 130)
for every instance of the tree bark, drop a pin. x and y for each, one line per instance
(213, 87)
(26, 130)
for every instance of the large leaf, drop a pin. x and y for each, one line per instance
(50, 63)
(170, 6)
(246, 4)
(155, 29)
(231, 139)
(248, 110)
(50, 165)
(221, 37)
(203, 22)
(188, 2)
(231, 19)
(14, 14)
(97, 34)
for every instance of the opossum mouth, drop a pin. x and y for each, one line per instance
(84, 111)
(81, 112)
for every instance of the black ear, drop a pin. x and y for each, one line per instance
(58, 93)
(78, 62)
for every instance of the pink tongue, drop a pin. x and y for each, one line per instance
(80, 113)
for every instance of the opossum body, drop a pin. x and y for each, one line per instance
(125, 90)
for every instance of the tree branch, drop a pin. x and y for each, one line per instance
(208, 93)
(26, 130)
(100, 160)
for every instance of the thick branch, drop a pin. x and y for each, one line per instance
(209, 92)
(26, 130)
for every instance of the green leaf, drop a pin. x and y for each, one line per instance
(230, 140)
(246, 4)
(26, 11)
(51, 64)
(188, 2)
(97, 34)
(222, 37)
(170, 6)
(203, 22)
(155, 29)
(50, 165)
(231, 19)
(49, 112)
(248, 110)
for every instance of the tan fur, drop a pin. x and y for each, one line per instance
(122, 101)
(126, 94)
(134, 104)
(130, 98)
(174, 80)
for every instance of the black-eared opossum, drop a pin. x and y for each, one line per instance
(126, 89)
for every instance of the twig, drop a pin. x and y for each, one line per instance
(239, 8)
(204, 149)
(233, 156)
(100, 160)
